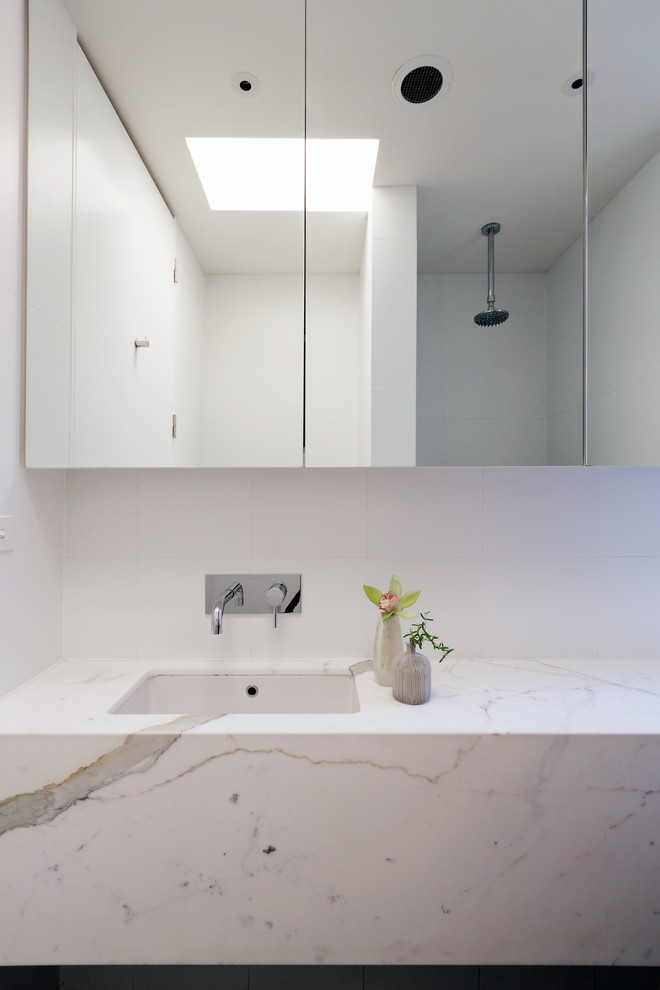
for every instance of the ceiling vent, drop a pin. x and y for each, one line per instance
(423, 80)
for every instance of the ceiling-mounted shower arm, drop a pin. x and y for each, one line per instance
(489, 230)
(491, 317)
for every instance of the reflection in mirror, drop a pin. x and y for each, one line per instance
(477, 116)
(624, 232)
(221, 381)
(478, 111)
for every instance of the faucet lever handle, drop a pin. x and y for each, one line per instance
(275, 596)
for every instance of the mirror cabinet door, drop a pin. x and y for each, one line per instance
(165, 315)
(171, 326)
(624, 224)
(476, 107)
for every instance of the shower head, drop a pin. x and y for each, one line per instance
(491, 317)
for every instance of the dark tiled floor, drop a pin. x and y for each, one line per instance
(421, 978)
(306, 977)
(330, 978)
(626, 978)
(536, 978)
(29, 977)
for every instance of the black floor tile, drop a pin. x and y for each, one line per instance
(421, 978)
(627, 978)
(96, 978)
(190, 978)
(29, 977)
(306, 977)
(536, 978)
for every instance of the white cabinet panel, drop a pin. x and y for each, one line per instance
(124, 256)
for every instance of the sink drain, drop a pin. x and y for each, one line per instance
(252, 690)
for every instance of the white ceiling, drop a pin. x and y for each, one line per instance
(505, 143)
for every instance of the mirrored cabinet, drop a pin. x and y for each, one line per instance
(258, 233)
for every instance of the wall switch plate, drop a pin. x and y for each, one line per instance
(6, 533)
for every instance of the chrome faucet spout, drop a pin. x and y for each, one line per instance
(236, 591)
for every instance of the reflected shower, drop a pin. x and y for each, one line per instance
(491, 317)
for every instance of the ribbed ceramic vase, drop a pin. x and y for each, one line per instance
(388, 644)
(411, 677)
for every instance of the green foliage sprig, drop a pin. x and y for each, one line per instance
(419, 635)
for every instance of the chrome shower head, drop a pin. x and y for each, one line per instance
(491, 317)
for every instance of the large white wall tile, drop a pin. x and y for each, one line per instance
(101, 509)
(331, 622)
(30, 621)
(313, 513)
(194, 513)
(451, 592)
(31, 574)
(171, 621)
(540, 607)
(629, 511)
(628, 613)
(540, 512)
(426, 513)
(100, 608)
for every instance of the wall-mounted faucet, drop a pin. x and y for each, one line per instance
(218, 608)
(252, 594)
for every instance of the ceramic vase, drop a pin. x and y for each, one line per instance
(388, 644)
(411, 677)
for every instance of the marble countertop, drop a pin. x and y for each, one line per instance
(512, 819)
(470, 696)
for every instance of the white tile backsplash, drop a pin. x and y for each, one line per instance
(540, 512)
(507, 559)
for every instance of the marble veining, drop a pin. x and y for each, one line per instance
(513, 819)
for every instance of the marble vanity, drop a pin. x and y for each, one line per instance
(513, 819)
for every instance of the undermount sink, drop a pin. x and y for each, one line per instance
(238, 694)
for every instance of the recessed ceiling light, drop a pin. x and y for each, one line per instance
(575, 83)
(245, 84)
(267, 174)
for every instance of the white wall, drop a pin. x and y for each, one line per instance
(565, 358)
(31, 574)
(513, 562)
(253, 370)
(481, 391)
(624, 343)
(332, 394)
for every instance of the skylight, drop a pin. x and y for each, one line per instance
(267, 174)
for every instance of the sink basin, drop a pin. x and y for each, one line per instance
(232, 694)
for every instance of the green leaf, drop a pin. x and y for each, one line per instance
(409, 598)
(373, 594)
(395, 585)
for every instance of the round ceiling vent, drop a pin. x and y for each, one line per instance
(422, 80)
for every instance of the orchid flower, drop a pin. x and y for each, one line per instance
(394, 601)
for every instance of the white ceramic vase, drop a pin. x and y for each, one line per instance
(388, 644)
(411, 677)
